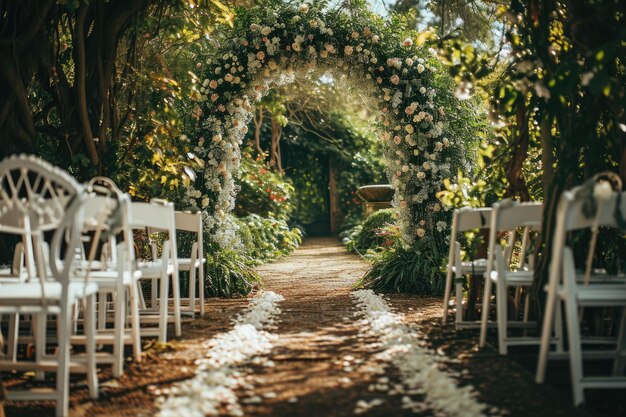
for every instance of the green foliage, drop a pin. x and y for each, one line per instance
(228, 273)
(263, 191)
(376, 231)
(265, 239)
(403, 270)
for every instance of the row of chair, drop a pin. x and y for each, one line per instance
(76, 281)
(512, 229)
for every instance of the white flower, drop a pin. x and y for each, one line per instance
(266, 31)
(420, 68)
(407, 42)
(602, 190)
(304, 8)
(420, 232)
(296, 47)
(409, 128)
(217, 138)
(395, 79)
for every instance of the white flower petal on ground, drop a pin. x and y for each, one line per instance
(211, 390)
(418, 365)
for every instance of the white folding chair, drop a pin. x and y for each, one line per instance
(192, 222)
(577, 290)
(35, 198)
(508, 216)
(464, 219)
(107, 210)
(159, 216)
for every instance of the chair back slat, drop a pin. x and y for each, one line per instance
(511, 215)
(152, 215)
(472, 218)
(577, 219)
(189, 222)
(37, 197)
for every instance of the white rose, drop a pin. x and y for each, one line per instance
(602, 190)
(304, 8)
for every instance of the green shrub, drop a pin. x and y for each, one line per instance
(263, 191)
(376, 231)
(406, 270)
(265, 239)
(228, 274)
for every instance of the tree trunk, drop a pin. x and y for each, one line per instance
(336, 216)
(258, 124)
(276, 159)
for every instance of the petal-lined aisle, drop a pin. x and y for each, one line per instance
(328, 351)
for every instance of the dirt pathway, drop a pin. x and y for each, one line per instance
(316, 332)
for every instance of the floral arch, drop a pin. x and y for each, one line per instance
(269, 47)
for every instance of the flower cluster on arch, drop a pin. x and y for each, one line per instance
(272, 47)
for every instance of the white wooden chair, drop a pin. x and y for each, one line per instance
(107, 210)
(159, 216)
(575, 291)
(464, 219)
(192, 222)
(36, 197)
(508, 216)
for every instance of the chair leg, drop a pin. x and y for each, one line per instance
(575, 351)
(192, 290)
(90, 347)
(558, 327)
(620, 351)
(102, 310)
(142, 299)
(134, 318)
(201, 288)
(155, 297)
(118, 333)
(163, 315)
(485, 313)
(459, 299)
(13, 336)
(502, 316)
(546, 332)
(39, 321)
(63, 370)
(176, 293)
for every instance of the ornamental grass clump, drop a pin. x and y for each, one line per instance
(378, 230)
